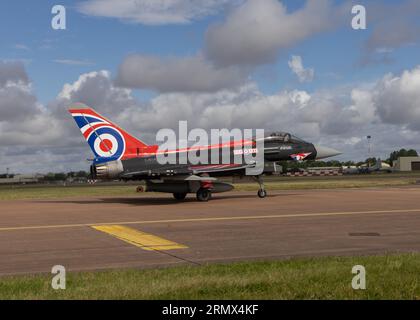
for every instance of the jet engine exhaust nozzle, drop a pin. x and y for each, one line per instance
(108, 170)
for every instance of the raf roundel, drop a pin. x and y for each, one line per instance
(107, 142)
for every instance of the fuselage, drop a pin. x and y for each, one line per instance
(120, 155)
(276, 147)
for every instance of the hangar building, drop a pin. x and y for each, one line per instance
(407, 164)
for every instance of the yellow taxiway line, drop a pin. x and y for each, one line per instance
(138, 238)
(211, 219)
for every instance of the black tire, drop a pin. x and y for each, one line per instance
(262, 193)
(179, 196)
(203, 195)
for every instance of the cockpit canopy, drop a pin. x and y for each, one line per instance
(283, 137)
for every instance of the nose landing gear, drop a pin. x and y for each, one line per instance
(262, 193)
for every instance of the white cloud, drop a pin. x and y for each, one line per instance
(95, 89)
(252, 34)
(70, 89)
(154, 12)
(23, 120)
(296, 65)
(393, 25)
(12, 71)
(300, 98)
(255, 32)
(353, 140)
(175, 74)
(398, 99)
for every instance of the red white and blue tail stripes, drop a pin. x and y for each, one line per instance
(107, 141)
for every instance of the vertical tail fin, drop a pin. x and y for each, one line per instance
(107, 140)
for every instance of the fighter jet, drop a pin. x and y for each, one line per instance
(121, 156)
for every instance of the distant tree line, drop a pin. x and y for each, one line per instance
(61, 176)
(402, 153)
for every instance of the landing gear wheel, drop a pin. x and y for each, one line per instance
(203, 195)
(180, 196)
(262, 193)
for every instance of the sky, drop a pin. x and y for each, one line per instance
(290, 65)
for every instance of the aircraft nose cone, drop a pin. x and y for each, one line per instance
(325, 152)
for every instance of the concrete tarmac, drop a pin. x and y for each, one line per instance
(35, 235)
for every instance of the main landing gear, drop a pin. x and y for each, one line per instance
(262, 193)
(203, 195)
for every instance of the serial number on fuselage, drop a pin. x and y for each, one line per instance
(245, 151)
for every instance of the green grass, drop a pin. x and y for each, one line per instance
(272, 183)
(329, 184)
(57, 192)
(388, 277)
